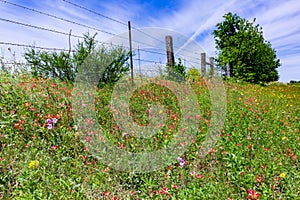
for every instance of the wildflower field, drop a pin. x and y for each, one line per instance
(42, 156)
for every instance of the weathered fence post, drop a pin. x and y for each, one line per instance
(203, 64)
(70, 34)
(130, 52)
(169, 48)
(212, 65)
(228, 70)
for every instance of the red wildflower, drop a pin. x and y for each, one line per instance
(294, 157)
(267, 148)
(253, 194)
(165, 190)
(48, 116)
(54, 147)
(88, 138)
(27, 104)
(200, 176)
(17, 125)
(151, 193)
(259, 178)
(106, 193)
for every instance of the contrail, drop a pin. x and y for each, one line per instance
(208, 23)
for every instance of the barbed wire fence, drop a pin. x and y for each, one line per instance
(142, 52)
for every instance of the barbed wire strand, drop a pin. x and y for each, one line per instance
(76, 23)
(38, 27)
(120, 22)
(56, 17)
(33, 46)
(63, 19)
(94, 12)
(63, 33)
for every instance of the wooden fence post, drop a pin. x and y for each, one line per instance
(203, 64)
(169, 48)
(130, 52)
(228, 70)
(212, 65)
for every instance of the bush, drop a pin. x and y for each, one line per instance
(193, 74)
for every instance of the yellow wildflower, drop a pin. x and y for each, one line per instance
(282, 175)
(34, 164)
(283, 138)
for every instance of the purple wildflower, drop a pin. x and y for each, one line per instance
(54, 120)
(182, 162)
(50, 126)
(50, 123)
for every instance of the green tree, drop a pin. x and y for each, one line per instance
(105, 65)
(241, 45)
(60, 65)
(52, 65)
(84, 48)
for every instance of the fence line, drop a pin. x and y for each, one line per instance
(94, 12)
(69, 21)
(169, 44)
(84, 25)
(203, 58)
(38, 27)
(33, 46)
(56, 17)
(116, 20)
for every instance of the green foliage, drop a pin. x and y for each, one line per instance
(176, 72)
(294, 82)
(63, 66)
(193, 74)
(240, 44)
(105, 64)
(52, 65)
(84, 49)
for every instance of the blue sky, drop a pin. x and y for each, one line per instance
(195, 19)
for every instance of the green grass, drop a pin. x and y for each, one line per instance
(257, 148)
